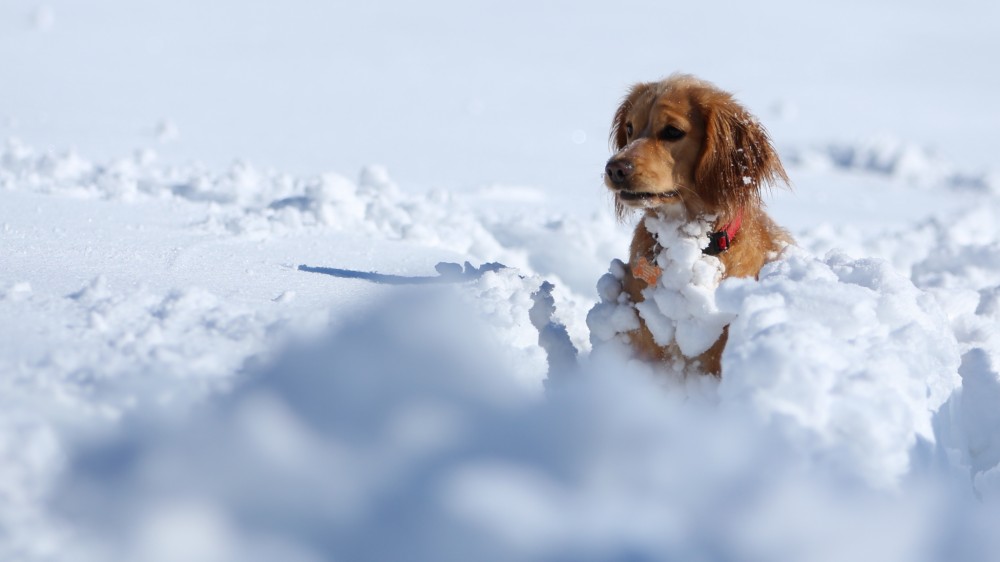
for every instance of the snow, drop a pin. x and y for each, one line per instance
(450, 456)
(230, 334)
(854, 356)
(850, 355)
(682, 307)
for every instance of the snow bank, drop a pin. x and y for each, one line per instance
(339, 450)
(846, 355)
(955, 259)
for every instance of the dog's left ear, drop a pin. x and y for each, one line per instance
(737, 159)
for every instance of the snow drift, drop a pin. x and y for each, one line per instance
(434, 452)
(847, 354)
(856, 420)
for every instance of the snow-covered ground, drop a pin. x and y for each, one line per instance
(223, 335)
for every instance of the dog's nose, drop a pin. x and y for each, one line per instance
(618, 171)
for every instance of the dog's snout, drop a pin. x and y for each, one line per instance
(619, 170)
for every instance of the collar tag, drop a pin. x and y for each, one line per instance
(648, 272)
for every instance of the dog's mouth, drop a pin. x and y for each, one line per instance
(645, 196)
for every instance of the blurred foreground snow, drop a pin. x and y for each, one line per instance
(404, 435)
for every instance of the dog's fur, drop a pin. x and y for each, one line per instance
(684, 146)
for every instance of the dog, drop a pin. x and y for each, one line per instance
(682, 145)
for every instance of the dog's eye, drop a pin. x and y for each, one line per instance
(628, 129)
(671, 133)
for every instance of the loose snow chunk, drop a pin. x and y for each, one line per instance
(969, 424)
(848, 355)
(615, 314)
(685, 293)
(681, 306)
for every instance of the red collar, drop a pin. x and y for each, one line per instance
(720, 241)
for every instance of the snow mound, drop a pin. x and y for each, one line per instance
(504, 299)
(847, 355)
(337, 443)
(969, 424)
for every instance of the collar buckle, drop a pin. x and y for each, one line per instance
(720, 241)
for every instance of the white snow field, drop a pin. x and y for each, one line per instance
(251, 306)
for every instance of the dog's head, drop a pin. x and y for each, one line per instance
(683, 141)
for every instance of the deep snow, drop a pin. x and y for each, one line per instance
(175, 386)
(172, 392)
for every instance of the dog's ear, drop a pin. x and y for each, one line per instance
(737, 160)
(618, 137)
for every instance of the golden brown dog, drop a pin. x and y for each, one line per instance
(683, 145)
